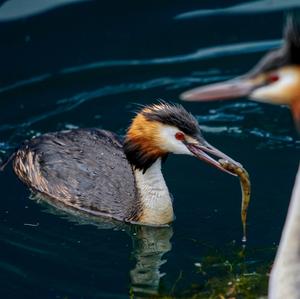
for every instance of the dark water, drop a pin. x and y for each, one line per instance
(87, 65)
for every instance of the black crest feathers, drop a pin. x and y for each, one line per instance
(288, 54)
(292, 38)
(173, 115)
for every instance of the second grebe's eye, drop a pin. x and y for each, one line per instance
(273, 78)
(179, 136)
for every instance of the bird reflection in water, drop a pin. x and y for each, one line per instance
(149, 245)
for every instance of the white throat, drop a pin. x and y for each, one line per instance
(154, 194)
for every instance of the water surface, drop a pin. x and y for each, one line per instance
(87, 64)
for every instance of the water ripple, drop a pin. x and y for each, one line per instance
(253, 7)
(12, 268)
(220, 117)
(264, 139)
(232, 119)
(4, 146)
(201, 54)
(240, 107)
(234, 112)
(70, 103)
(16, 9)
(25, 82)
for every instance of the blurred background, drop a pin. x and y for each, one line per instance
(66, 64)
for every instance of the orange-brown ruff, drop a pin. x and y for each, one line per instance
(145, 134)
(93, 171)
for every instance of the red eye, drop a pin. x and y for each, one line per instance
(179, 136)
(273, 78)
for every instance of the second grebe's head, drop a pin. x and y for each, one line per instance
(275, 79)
(163, 128)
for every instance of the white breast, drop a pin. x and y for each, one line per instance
(285, 275)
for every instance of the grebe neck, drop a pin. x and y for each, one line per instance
(154, 194)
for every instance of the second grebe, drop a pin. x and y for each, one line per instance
(93, 171)
(276, 79)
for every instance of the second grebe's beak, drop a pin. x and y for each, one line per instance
(236, 88)
(280, 86)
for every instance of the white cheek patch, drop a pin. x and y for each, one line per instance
(169, 143)
(279, 92)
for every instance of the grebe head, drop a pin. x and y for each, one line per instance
(163, 128)
(275, 79)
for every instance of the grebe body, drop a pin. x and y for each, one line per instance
(94, 171)
(80, 168)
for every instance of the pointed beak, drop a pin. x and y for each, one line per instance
(238, 87)
(204, 151)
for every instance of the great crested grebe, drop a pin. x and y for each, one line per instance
(275, 79)
(93, 171)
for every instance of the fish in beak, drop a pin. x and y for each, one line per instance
(202, 150)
